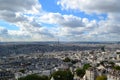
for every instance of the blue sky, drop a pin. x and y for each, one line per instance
(51, 6)
(46, 20)
(8, 25)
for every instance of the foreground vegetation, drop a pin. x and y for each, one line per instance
(58, 75)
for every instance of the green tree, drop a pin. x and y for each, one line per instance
(103, 62)
(34, 77)
(86, 66)
(80, 72)
(103, 48)
(44, 77)
(117, 52)
(112, 64)
(67, 59)
(62, 75)
(22, 71)
(117, 67)
(103, 77)
(74, 61)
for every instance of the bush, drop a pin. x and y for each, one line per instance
(67, 59)
(80, 72)
(103, 77)
(86, 66)
(34, 77)
(117, 67)
(62, 75)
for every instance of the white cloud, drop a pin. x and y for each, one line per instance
(108, 29)
(30, 18)
(62, 20)
(22, 14)
(90, 6)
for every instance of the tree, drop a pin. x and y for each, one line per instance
(117, 52)
(103, 77)
(44, 77)
(34, 77)
(103, 48)
(86, 66)
(22, 71)
(117, 67)
(67, 59)
(74, 61)
(62, 75)
(103, 62)
(80, 72)
(112, 64)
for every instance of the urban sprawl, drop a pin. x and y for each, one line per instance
(82, 64)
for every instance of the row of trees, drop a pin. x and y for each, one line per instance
(34, 77)
(58, 75)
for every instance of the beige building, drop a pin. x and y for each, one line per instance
(118, 54)
(91, 74)
(113, 75)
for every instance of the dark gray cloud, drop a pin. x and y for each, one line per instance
(18, 5)
(72, 21)
(13, 10)
(12, 17)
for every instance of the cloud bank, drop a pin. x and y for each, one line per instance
(35, 24)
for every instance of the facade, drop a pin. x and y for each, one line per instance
(113, 75)
(118, 54)
(6, 75)
(91, 74)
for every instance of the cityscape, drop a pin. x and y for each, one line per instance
(83, 61)
(59, 39)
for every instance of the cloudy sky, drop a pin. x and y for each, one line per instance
(68, 20)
